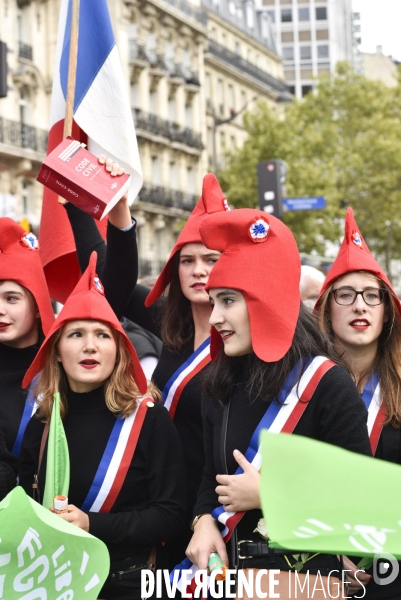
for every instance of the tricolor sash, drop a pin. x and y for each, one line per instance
(29, 410)
(172, 390)
(281, 416)
(115, 461)
(373, 400)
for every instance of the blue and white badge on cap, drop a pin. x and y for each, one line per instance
(356, 238)
(98, 285)
(259, 229)
(30, 241)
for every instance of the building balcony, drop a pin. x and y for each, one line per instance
(166, 197)
(25, 51)
(149, 268)
(167, 129)
(189, 10)
(137, 52)
(246, 67)
(23, 136)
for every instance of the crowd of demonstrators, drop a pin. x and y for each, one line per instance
(358, 310)
(268, 350)
(187, 468)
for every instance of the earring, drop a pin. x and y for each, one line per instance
(58, 358)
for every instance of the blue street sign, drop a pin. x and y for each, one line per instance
(311, 203)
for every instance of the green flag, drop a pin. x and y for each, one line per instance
(44, 557)
(58, 460)
(320, 498)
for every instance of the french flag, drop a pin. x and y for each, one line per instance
(102, 120)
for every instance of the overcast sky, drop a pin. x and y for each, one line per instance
(380, 25)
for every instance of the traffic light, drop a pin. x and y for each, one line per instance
(271, 177)
(3, 70)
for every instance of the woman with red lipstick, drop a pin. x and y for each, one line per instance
(26, 315)
(272, 369)
(126, 466)
(180, 318)
(359, 311)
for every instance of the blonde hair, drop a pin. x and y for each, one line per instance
(120, 390)
(387, 362)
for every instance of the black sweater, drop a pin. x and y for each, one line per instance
(112, 270)
(14, 363)
(151, 504)
(335, 414)
(8, 469)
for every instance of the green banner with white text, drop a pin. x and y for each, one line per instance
(320, 498)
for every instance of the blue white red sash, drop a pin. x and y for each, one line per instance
(115, 461)
(373, 400)
(29, 410)
(177, 581)
(172, 390)
(281, 416)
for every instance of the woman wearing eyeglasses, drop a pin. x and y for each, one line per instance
(359, 310)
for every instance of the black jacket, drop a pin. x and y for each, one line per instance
(335, 414)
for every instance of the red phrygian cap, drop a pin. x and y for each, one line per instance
(211, 201)
(20, 262)
(260, 258)
(87, 301)
(354, 255)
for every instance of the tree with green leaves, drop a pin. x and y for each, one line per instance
(342, 141)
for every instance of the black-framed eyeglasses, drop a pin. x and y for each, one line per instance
(345, 296)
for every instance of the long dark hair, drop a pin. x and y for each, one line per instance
(387, 362)
(266, 380)
(177, 325)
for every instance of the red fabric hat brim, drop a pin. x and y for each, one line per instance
(20, 262)
(354, 255)
(87, 302)
(267, 273)
(211, 201)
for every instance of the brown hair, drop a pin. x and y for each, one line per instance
(387, 362)
(120, 390)
(177, 325)
(266, 380)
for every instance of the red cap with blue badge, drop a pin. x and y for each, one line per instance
(211, 201)
(20, 262)
(354, 255)
(259, 258)
(87, 301)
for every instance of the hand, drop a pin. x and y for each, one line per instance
(353, 584)
(75, 516)
(205, 540)
(111, 165)
(120, 215)
(239, 492)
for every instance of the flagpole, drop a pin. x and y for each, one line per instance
(72, 75)
(72, 69)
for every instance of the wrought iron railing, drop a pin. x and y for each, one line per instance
(246, 67)
(167, 129)
(25, 51)
(23, 136)
(137, 51)
(190, 10)
(167, 197)
(149, 268)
